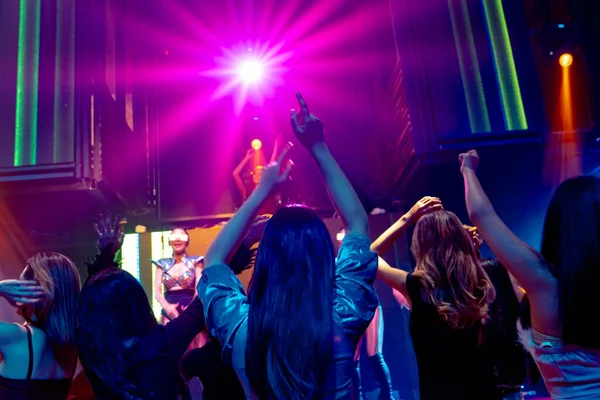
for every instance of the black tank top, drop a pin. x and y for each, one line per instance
(33, 389)
(451, 364)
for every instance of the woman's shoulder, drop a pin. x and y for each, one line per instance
(194, 260)
(164, 263)
(11, 333)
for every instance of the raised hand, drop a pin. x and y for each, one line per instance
(276, 172)
(309, 130)
(475, 237)
(18, 291)
(469, 160)
(109, 232)
(424, 206)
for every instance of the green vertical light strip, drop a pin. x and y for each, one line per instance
(469, 67)
(64, 82)
(159, 248)
(506, 71)
(27, 83)
(130, 254)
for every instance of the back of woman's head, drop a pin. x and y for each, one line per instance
(447, 267)
(113, 307)
(56, 314)
(571, 247)
(290, 322)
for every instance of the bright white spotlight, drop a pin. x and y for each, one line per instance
(250, 71)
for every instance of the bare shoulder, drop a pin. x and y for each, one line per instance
(10, 333)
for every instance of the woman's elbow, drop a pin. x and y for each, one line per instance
(359, 225)
(478, 214)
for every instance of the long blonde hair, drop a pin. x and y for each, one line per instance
(447, 267)
(56, 314)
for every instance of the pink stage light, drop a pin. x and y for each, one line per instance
(256, 144)
(250, 71)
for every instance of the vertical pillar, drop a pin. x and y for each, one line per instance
(27, 83)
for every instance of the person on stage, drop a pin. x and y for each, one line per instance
(175, 280)
(247, 175)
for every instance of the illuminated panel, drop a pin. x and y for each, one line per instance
(469, 67)
(64, 80)
(130, 254)
(506, 71)
(27, 83)
(159, 242)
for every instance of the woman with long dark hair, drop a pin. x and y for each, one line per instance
(125, 353)
(39, 357)
(295, 334)
(450, 295)
(561, 281)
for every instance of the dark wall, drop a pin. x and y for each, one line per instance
(519, 180)
(9, 20)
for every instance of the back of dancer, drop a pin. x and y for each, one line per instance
(451, 363)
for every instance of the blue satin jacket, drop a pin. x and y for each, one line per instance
(226, 310)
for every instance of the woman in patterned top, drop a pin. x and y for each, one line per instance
(178, 275)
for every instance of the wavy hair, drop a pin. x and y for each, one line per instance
(290, 323)
(113, 307)
(55, 315)
(447, 267)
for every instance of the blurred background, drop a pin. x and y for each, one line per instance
(146, 108)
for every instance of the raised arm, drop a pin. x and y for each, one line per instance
(276, 146)
(238, 170)
(394, 277)
(427, 204)
(343, 196)
(522, 261)
(110, 237)
(228, 240)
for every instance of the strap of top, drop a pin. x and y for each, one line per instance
(414, 289)
(30, 344)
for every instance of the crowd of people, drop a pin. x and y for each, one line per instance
(294, 333)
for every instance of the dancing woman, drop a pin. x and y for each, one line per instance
(178, 276)
(561, 281)
(38, 358)
(449, 294)
(295, 334)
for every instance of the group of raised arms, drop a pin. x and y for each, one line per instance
(294, 333)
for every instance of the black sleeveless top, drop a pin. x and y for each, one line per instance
(33, 389)
(451, 364)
